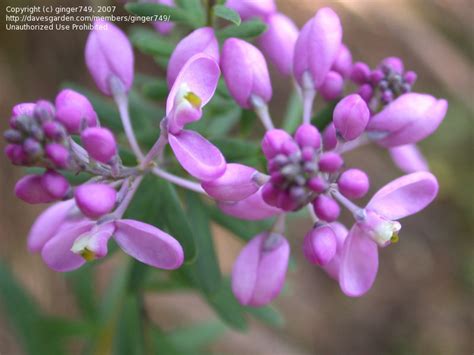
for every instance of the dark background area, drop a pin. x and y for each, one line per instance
(421, 302)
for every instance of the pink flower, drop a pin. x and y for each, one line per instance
(259, 272)
(251, 8)
(74, 111)
(377, 225)
(95, 199)
(99, 143)
(192, 89)
(409, 158)
(351, 116)
(163, 27)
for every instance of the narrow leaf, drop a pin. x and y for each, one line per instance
(149, 42)
(294, 112)
(246, 30)
(267, 314)
(227, 14)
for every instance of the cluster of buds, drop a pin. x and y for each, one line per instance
(306, 170)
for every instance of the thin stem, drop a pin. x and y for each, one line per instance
(312, 214)
(121, 99)
(352, 207)
(120, 210)
(155, 151)
(261, 109)
(351, 145)
(187, 184)
(279, 225)
(309, 94)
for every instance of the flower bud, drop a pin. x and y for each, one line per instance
(308, 136)
(353, 183)
(330, 162)
(251, 8)
(245, 72)
(95, 199)
(54, 130)
(360, 73)
(54, 184)
(74, 111)
(319, 246)
(351, 116)
(329, 137)
(408, 119)
(317, 184)
(236, 184)
(16, 154)
(44, 111)
(58, 155)
(392, 63)
(23, 109)
(410, 77)
(326, 208)
(259, 272)
(272, 142)
(13, 136)
(202, 40)
(99, 143)
(317, 46)
(32, 148)
(366, 92)
(30, 189)
(163, 27)
(343, 62)
(332, 87)
(278, 42)
(109, 57)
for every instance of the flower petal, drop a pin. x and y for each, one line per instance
(359, 263)
(47, 224)
(148, 244)
(405, 196)
(409, 158)
(57, 253)
(197, 155)
(252, 208)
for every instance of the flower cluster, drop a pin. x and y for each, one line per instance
(304, 170)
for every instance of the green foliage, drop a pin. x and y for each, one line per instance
(227, 14)
(149, 42)
(246, 30)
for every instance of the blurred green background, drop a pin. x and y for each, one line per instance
(422, 301)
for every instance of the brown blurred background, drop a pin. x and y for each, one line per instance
(422, 301)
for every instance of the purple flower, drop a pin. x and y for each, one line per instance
(409, 158)
(245, 72)
(23, 109)
(332, 87)
(109, 58)
(99, 143)
(54, 184)
(278, 42)
(409, 119)
(320, 245)
(192, 89)
(95, 199)
(252, 208)
(351, 116)
(163, 27)
(317, 47)
(236, 184)
(343, 62)
(31, 190)
(259, 272)
(333, 266)
(202, 40)
(74, 111)
(377, 226)
(251, 8)
(353, 183)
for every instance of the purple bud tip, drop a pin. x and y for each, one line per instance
(326, 208)
(392, 64)
(410, 77)
(308, 136)
(330, 162)
(55, 184)
(54, 130)
(272, 142)
(74, 111)
(376, 76)
(317, 184)
(44, 111)
(99, 143)
(320, 244)
(109, 56)
(366, 92)
(343, 62)
(30, 189)
(58, 155)
(351, 116)
(360, 73)
(16, 154)
(13, 136)
(329, 137)
(245, 72)
(353, 183)
(95, 200)
(332, 87)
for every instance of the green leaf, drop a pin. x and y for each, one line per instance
(23, 315)
(206, 268)
(195, 9)
(149, 42)
(294, 112)
(267, 314)
(82, 282)
(324, 117)
(173, 215)
(63, 328)
(148, 9)
(128, 338)
(246, 30)
(156, 90)
(227, 14)
(196, 336)
(227, 307)
(235, 149)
